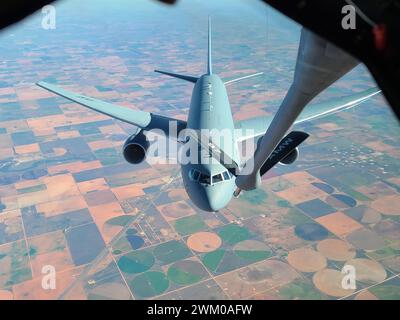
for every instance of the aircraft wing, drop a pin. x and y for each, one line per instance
(259, 125)
(141, 119)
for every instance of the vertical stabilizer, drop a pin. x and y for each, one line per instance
(209, 61)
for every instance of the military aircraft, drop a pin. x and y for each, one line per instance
(212, 184)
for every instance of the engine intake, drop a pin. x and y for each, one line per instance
(291, 157)
(135, 148)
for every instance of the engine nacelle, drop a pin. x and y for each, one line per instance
(291, 157)
(135, 148)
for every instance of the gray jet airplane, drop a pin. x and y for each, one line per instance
(211, 186)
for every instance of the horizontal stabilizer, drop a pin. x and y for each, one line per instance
(243, 78)
(287, 145)
(179, 76)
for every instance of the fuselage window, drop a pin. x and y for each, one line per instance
(217, 178)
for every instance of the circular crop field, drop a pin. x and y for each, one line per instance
(233, 234)
(176, 210)
(252, 250)
(329, 281)
(135, 241)
(136, 262)
(337, 250)
(149, 284)
(171, 251)
(213, 259)
(204, 242)
(324, 187)
(186, 272)
(368, 271)
(341, 201)
(306, 260)
(366, 239)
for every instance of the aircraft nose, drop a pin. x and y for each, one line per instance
(216, 200)
(214, 204)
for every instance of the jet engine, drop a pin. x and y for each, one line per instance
(291, 157)
(135, 148)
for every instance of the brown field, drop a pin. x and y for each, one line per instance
(61, 260)
(301, 193)
(365, 295)
(299, 178)
(379, 146)
(68, 134)
(377, 190)
(32, 289)
(75, 167)
(257, 278)
(337, 250)
(329, 281)
(101, 214)
(6, 153)
(388, 205)
(178, 194)
(39, 132)
(127, 192)
(176, 210)
(204, 242)
(368, 271)
(92, 185)
(28, 148)
(61, 206)
(48, 242)
(61, 186)
(306, 260)
(339, 224)
(6, 295)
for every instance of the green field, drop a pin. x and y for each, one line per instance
(171, 251)
(149, 284)
(233, 234)
(189, 225)
(136, 262)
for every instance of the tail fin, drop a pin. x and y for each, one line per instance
(209, 61)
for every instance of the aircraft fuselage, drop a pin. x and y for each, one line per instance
(209, 185)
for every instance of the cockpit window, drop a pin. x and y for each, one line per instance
(217, 178)
(226, 175)
(196, 175)
(205, 179)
